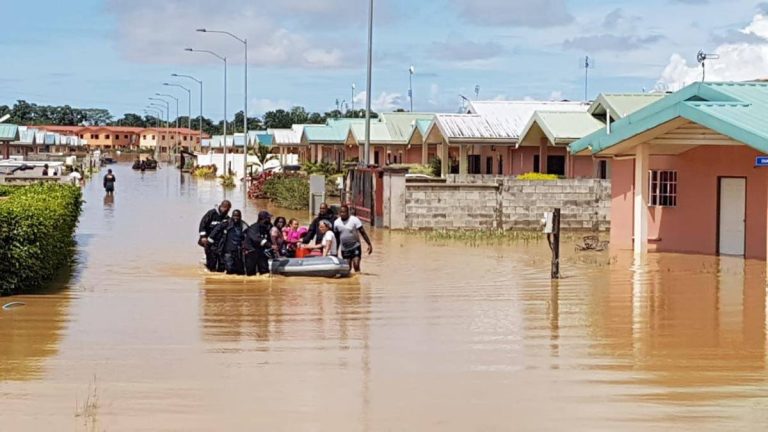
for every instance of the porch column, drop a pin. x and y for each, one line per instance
(640, 229)
(424, 152)
(463, 156)
(444, 160)
(543, 152)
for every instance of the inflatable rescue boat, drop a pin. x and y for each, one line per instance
(311, 267)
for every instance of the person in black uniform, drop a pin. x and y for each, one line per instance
(314, 233)
(227, 239)
(109, 182)
(209, 221)
(257, 245)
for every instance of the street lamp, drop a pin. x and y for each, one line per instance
(189, 99)
(178, 142)
(224, 59)
(243, 41)
(411, 71)
(167, 106)
(353, 97)
(201, 99)
(367, 155)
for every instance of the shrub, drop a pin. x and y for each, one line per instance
(287, 190)
(205, 171)
(228, 181)
(537, 176)
(323, 168)
(415, 168)
(435, 166)
(36, 227)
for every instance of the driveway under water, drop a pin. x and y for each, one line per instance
(433, 336)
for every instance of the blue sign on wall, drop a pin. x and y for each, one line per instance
(761, 161)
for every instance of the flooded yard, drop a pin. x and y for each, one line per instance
(433, 335)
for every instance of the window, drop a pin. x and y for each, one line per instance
(556, 165)
(125, 136)
(144, 137)
(153, 137)
(662, 188)
(501, 165)
(82, 136)
(106, 136)
(185, 137)
(602, 169)
(162, 137)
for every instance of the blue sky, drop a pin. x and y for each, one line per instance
(116, 53)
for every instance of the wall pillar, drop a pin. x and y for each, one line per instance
(424, 152)
(463, 159)
(640, 223)
(543, 153)
(445, 163)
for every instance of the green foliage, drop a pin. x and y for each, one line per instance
(324, 168)
(228, 181)
(264, 154)
(415, 168)
(204, 171)
(36, 227)
(288, 190)
(435, 166)
(537, 176)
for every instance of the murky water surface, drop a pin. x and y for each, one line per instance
(431, 337)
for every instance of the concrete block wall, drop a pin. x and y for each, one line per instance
(481, 202)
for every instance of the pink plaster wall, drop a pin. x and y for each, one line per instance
(522, 160)
(691, 227)
(583, 167)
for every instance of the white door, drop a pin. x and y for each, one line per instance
(733, 200)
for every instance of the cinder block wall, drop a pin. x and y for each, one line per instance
(482, 202)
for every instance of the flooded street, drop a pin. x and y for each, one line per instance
(434, 336)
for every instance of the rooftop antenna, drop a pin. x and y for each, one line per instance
(702, 58)
(463, 103)
(477, 92)
(587, 63)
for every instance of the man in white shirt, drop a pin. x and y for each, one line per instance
(349, 229)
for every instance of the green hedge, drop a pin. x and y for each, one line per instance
(37, 223)
(289, 191)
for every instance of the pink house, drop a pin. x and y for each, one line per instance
(685, 174)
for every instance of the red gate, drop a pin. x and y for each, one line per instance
(367, 190)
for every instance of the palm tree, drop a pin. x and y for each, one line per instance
(265, 155)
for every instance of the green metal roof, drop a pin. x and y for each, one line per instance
(620, 105)
(379, 133)
(9, 132)
(401, 124)
(562, 127)
(736, 110)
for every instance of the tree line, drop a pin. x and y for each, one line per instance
(31, 114)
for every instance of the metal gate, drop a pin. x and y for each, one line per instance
(367, 194)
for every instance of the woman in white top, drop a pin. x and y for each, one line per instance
(329, 245)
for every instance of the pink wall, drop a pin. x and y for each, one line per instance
(692, 226)
(522, 160)
(582, 166)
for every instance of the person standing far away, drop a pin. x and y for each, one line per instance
(45, 170)
(257, 245)
(325, 213)
(227, 239)
(109, 182)
(349, 229)
(210, 220)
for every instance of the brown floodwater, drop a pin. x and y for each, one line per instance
(433, 336)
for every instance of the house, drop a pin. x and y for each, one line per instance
(8, 134)
(326, 142)
(684, 175)
(288, 142)
(169, 139)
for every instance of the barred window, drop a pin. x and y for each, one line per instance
(663, 188)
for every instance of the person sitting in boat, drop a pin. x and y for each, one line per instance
(292, 235)
(328, 246)
(314, 234)
(258, 246)
(228, 240)
(276, 237)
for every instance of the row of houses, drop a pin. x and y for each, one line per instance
(23, 140)
(492, 137)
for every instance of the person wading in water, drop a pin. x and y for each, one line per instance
(227, 238)
(350, 229)
(109, 182)
(258, 245)
(209, 221)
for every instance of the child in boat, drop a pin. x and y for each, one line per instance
(293, 235)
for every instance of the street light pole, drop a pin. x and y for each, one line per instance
(167, 107)
(367, 150)
(224, 59)
(189, 103)
(243, 41)
(178, 139)
(201, 101)
(353, 98)
(411, 71)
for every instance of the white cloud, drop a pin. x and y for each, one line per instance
(385, 102)
(556, 95)
(260, 106)
(739, 61)
(285, 33)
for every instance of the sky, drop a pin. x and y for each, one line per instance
(115, 54)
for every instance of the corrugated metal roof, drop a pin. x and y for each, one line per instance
(286, 137)
(508, 118)
(401, 125)
(9, 132)
(379, 133)
(736, 110)
(470, 127)
(620, 105)
(562, 127)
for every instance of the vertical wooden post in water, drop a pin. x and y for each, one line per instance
(554, 244)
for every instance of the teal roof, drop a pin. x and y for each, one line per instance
(401, 124)
(736, 110)
(334, 131)
(9, 132)
(562, 127)
(620, 105)
(423, 125)
(379, 133)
